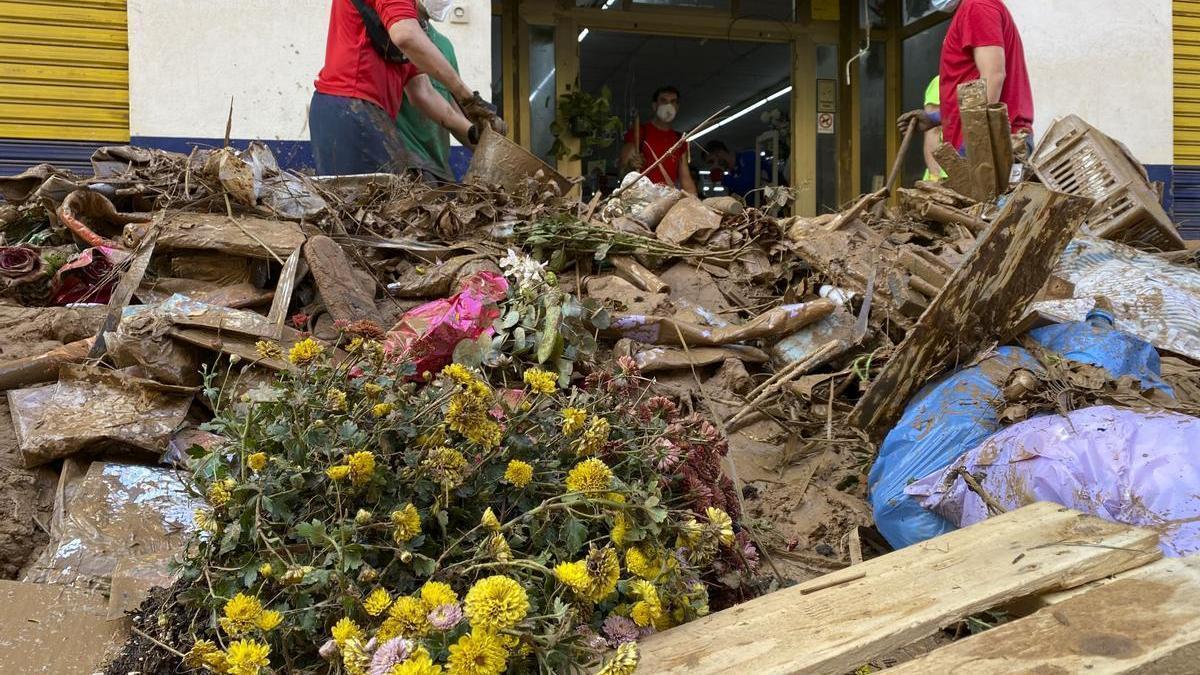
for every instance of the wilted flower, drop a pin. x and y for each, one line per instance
(619, 630)
(489, 520)
(407, 523)
(624, 662)
(572, 420)
(541, 381)
(257, 462)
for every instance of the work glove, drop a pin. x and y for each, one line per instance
(924, 122)
(482, 114)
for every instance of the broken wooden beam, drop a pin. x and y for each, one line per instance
(981, 302)
(1146, 620)
(891, 601)
(344, 297)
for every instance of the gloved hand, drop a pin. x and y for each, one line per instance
(483, 114)
(924, 122)
(637, 162)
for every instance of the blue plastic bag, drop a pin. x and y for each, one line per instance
(959, 412)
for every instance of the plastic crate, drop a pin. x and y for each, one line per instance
(1078, 159)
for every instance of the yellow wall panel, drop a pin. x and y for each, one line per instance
(1187, 82)
(64, 70)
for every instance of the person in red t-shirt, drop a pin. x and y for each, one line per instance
(656, 140)
(982, 43)
(359, 91)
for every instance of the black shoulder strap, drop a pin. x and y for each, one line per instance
(377, 33)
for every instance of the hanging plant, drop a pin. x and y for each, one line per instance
(587, 118)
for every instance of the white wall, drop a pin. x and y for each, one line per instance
(1108, 61)
(187, 58)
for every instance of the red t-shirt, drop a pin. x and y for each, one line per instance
(655, 143)
(983, 23)
(352, 66)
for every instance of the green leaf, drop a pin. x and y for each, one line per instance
(423, 566)
(352, 556)
(510, 319)
(576, 534)
(229, 540)
(314, 532)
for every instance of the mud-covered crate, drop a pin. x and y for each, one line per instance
(1078, 159)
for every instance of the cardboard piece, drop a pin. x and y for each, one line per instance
(56, 630)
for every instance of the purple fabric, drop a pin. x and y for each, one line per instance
(1127, 466)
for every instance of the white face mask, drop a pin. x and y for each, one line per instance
(438, 10)
(666, 112)
(945, 5)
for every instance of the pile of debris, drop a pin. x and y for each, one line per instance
(131, 295)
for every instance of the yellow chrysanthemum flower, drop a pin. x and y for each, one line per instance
(408, 618)
(518, 474)
(572, 420)
(496, 603)
(220, 492)
(335, 400)
(722, 523)
(269, 620)
(206, 521)
(200, 653)
(594, 438)
(446, 466)
(356, 345)
(247, 657)
(468, 413)
(257, 462)
(338, 472)
(477, 653)
(595, 577)
(407, 522)
(497, 547)
(489, 520)
(435, 594)
(432, 438)
(624, 662)
(377, 602)
(372, 390)
(648, 610)
(382, 409)
(541, 381)
(362, 467)
(589, 476)
(458, 373)
(355, 657)
(345, 629)
(420, 663)
(268, 350)
(691, 532)
(620, 528)
(241, 614)
(305, 352)
(643, 564)
(266, 570)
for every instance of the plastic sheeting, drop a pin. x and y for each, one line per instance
(1096, 343)
(429, 333)
(1122, 465)
(112, 512)
(943, 421)
(955, 414)
(1153, 299)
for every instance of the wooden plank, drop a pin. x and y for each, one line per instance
(215, 232)
(985, 297)
(899, 598)
(1145, 621)
(130, 280)
(283, 294)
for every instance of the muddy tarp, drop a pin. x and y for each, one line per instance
(113, 512)
(91, 408)
(56, 630)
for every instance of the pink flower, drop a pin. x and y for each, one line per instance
(445, 617)
(355, 372)
(299, 320)
(390, 653)
(619, 630)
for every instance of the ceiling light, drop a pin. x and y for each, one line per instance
(744, 111)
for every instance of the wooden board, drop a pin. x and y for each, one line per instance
(899, 598)
(981, 302)
(1144, 621)
(245, 235)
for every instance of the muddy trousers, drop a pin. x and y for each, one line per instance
(353, 136)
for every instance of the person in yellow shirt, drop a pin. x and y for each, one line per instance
(933, 137)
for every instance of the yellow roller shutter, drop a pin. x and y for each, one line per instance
(64, 70)
(1187, 82)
